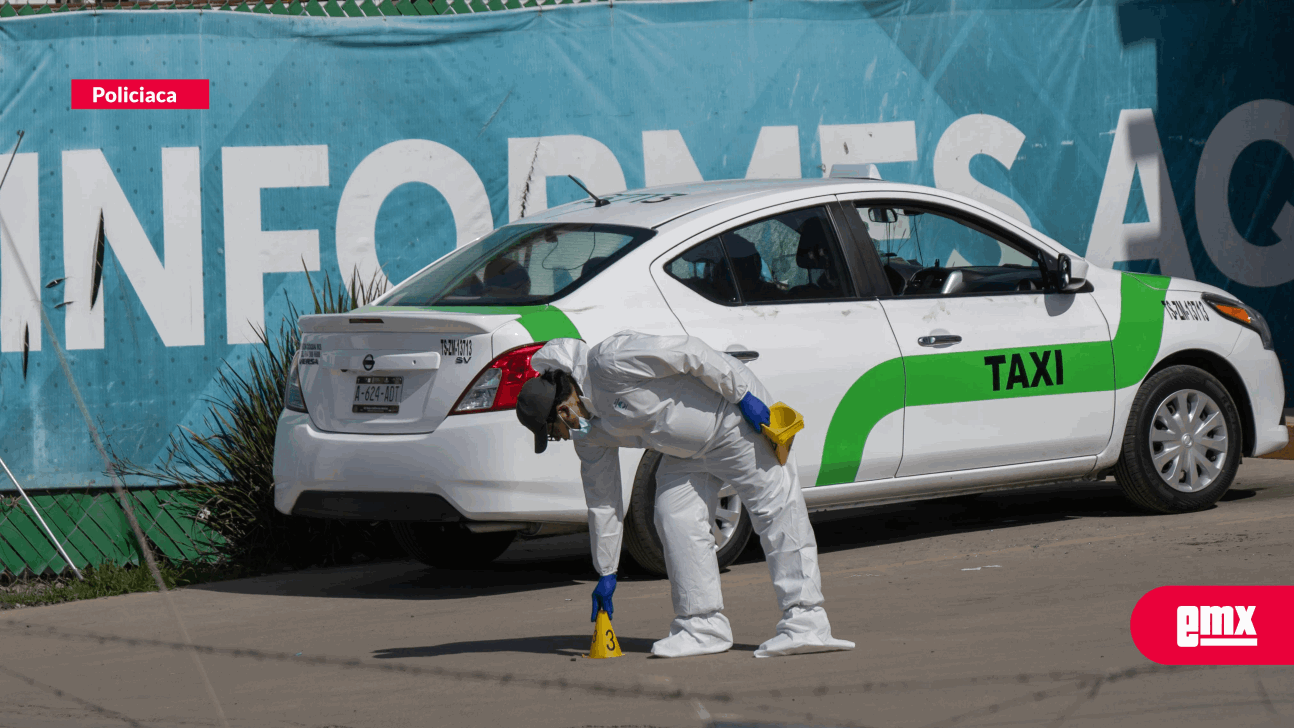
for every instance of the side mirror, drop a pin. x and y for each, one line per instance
(883, 215)
(1071, 274)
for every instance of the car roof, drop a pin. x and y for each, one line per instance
(653, 207)
(675, 206)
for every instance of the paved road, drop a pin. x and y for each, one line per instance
(1003, 610)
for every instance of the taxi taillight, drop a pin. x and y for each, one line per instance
(497, 386)
(293, 398)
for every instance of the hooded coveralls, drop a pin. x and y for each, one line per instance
(678, 396)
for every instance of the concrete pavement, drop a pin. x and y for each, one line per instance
(1006, 609)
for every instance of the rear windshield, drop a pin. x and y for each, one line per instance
(518, 265)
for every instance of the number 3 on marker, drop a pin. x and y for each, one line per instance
(611, 640)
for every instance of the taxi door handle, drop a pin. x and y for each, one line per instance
(941, 340)
(743, 355)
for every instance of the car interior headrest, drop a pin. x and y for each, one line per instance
(812, 253)
(746, 259)
(507, 273)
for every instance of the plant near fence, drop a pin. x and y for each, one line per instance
(227, 472)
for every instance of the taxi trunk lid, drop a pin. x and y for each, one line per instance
(391, 372)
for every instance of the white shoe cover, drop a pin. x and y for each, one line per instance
(703, 634)
(801, 631)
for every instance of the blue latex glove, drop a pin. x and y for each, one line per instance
(756, 412)
(602, 596)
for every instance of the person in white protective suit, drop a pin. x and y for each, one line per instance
(696, 406)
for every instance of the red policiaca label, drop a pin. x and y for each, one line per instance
(173, 93)
(1216, 625)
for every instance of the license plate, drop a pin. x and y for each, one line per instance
(379, 395)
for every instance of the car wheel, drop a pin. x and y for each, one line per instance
(449, 545)
(1182, 444)
(731, 526)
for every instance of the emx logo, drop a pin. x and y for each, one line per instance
(1216, 625)
(1226, 626)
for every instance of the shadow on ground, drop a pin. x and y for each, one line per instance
(875, 525)
(564, 560)
(527, 565)
(572, 645)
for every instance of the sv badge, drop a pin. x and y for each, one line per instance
(459, 349)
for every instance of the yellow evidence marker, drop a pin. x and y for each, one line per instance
(783, 423)
(605, 643)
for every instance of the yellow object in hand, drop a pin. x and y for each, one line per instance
(783, 423)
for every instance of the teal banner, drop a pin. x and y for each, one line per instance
(1151, 136)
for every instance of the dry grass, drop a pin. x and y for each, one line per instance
(106, 580)
(227, 467)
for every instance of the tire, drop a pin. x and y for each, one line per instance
(1181, 482)
(643, 543)
(449, 545)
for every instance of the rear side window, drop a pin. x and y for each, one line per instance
(789, 257)
(782, 259)
(519, 265)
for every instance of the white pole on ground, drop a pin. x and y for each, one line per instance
(43, 525)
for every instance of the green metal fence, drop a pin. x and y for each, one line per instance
(328, 8)
(93, 529)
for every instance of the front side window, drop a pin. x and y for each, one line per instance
(929, 253)
(519, 265)
(790, 257)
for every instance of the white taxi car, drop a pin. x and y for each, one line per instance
(935, 346)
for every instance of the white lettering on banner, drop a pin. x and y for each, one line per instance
(1216, 626)
(890, 141)
(967, 138)
(667, 160)
(251, 252)
(532, 160)
(20, 255)
(1237, 258)
(388, 167)
(776, 155)
(170, 292)
(1136, 150)
(170, 286)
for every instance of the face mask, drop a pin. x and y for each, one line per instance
(583, 430)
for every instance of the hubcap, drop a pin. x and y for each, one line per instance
(726, 516)
(1188, 440)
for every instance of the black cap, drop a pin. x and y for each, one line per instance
(534, 405)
